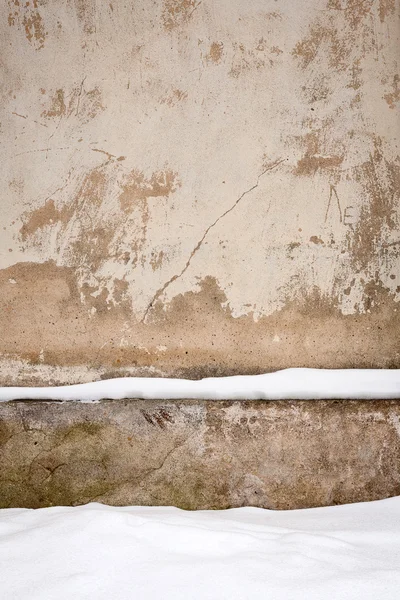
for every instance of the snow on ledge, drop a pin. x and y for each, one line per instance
(289, 384)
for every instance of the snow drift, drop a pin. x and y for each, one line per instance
(286, 384)
(99, 552)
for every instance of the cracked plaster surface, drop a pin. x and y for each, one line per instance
(196, 189)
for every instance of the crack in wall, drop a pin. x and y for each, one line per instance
(162, 289)
(140, 478)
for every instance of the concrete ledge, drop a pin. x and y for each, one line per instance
(199, 454)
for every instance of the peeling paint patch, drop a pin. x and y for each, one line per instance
(333, 35)
(380, 179)
(215, 53)
(156, 260)
(81, 103)
(57, 107)
(178, 12)
(393, 97)
(27, 16)
(86, 13)
(246, 60)
(309, 165)
(386, 8)
(86, 236)
(174, 97)
(137, 187)
(316, 240)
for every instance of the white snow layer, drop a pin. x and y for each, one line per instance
(97, 552)
(286, 384)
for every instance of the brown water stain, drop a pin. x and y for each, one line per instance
(34, 29)
(357, 11)
(46, 308)
(307, 49)
(324, 38)
(85, 105)
(121, 293)
(91, 248)
(89, 239)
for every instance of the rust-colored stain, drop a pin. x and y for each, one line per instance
(178, 12)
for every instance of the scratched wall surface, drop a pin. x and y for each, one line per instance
(198, 187)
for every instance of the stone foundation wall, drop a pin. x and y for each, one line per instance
(199, 454)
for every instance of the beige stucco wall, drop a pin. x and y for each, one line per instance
(198, 187)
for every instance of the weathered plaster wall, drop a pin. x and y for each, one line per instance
(198, 187)
(199, 455)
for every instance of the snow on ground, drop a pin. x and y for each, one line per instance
(102, 553)
(286, 384)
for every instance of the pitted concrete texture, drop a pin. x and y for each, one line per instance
(198, 188)
(199, 455)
